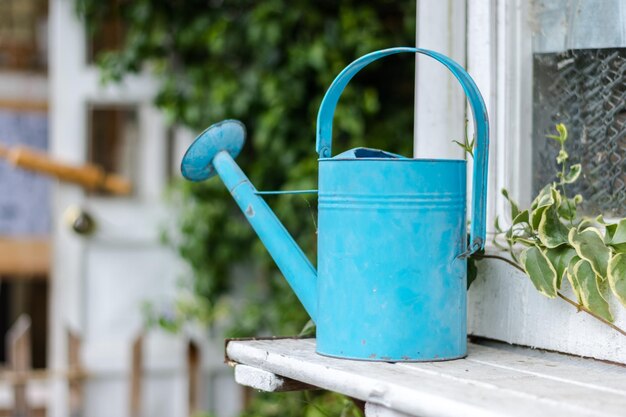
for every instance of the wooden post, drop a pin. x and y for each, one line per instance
(135, 376)
(19, 359)
(75, 374)
(193, 377)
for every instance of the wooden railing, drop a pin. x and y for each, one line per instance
(24, 391)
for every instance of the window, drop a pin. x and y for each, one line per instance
(579, 79)
(23, 29)
(114, 140)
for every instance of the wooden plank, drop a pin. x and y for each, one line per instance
(468, 387)
(136, 374)
(25, 257)
(590, 374)
(23, 105)
(87, 175)
(564, 392)
(37, 394)
(75, 374)
(20, 362)
(193, 377)
(375, 410)
(256, 378)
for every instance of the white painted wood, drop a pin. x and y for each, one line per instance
(481, 65)
(24, 87)
(37, 394)
(504, 305)
(256, 378)
(100, 281)
(489, 382)
(439, 99)
(375, 410)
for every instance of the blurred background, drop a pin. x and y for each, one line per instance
(118, 280)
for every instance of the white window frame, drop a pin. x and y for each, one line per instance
(502, 303)
(500, 60)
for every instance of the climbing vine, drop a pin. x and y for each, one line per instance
(552, 243)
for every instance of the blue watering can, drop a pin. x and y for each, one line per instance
(392, 237)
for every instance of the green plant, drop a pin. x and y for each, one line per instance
(267, 63)
(551, 243)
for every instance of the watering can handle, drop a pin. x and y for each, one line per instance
(481, 126)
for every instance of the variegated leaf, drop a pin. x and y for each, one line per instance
(590, 246)
(616, 235)
(573, 174)
(590, 291)
(571, 277)
(540, 271)
(617, 276)
(552, 232)
(560, 258)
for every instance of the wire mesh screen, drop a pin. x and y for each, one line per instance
(585, 90)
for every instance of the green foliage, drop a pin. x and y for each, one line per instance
(267, 63)
(551, 241)
(302, 404)
(468, 144)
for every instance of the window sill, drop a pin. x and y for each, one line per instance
(504, 305)
(494, 380)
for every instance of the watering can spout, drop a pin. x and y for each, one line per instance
(212, 153)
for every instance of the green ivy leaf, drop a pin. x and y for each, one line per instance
(522, 217)
(562, 156)
(585, 224)
(616, 235)
(540, 271)
(590, 246)
(560, 258)
(571, 277)
(591, 290)
(514, 207)
(562, 133)
(567, 208)
(617, 277)
(544, 198)
(552, 232)
(573, 174)
(497, 225)
(539, 205)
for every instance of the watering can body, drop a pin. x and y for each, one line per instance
(391, 285)
(392, 239)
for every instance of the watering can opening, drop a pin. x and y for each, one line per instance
(377, 154)
(367, 153)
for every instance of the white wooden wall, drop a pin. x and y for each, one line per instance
(100, 281)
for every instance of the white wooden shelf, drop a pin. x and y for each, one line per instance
(494, 380)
